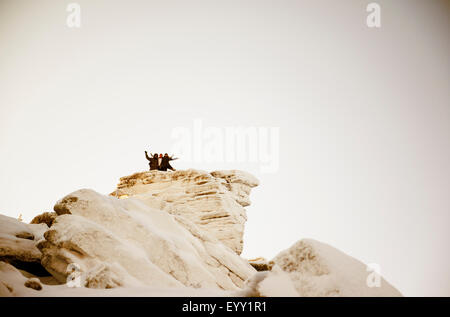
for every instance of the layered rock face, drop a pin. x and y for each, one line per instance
(214, 201)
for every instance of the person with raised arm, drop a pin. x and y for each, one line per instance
(153, 161)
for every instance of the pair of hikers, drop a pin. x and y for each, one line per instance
(160, 163)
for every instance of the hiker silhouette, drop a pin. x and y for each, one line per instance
(152, 161)
(165, 163)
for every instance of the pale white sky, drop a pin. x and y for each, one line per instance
(364, 114)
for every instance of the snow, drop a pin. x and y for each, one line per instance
(12, 283)
(274, 283)
(318, 269)
(17, 240)
(213, 201)
(170, 234)
(124, 242)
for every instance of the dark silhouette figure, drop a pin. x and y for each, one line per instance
(153, 161)
(159, 161)
(165, 163)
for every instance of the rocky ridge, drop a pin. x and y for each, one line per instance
(166, 234)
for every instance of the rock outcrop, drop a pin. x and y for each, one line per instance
(214, 201)
(18, 244)
(166, 234)
(318, 269)
(115, 242)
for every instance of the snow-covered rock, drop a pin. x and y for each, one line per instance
(14, 282)
(124, 242)
(18, 242)
(166, 234)
(318, 269)
(214, 201)
(274, 283)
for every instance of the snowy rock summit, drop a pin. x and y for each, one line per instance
(165, 234)
(213, 201)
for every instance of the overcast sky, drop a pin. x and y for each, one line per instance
(363, 114)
